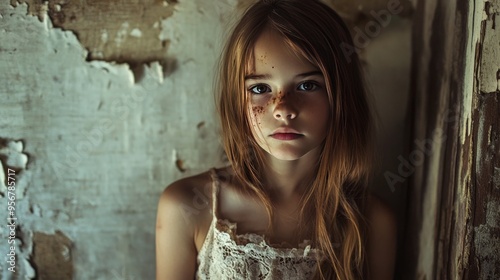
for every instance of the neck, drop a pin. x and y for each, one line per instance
(286, 180)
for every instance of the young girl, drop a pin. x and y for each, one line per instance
(297, 130)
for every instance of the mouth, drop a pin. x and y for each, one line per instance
(286, 136)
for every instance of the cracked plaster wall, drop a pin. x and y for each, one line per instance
(102, 106)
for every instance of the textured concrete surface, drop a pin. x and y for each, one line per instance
(104, 103)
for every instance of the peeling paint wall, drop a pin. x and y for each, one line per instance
(93, 145)
(103, 103)
(120, 31)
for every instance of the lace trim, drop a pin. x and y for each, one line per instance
(256, 242)
(221, 258)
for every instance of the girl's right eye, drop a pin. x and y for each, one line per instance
(259, 89)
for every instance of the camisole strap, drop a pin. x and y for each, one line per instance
(215, 191)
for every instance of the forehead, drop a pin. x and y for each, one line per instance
(272, 51)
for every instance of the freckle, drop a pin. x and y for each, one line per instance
(273, 67)
(257, 110)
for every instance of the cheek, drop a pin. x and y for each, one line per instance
(257, 107)
(256, 113)
(325, 118)
(319, 115)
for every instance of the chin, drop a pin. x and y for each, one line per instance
(286, 155)
(290, 154)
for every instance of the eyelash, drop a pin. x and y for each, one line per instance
(251, 89)
(313, 83)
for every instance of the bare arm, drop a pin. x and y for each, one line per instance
(175, 249)
(382, 240)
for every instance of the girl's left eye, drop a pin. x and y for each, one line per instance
(307, 86)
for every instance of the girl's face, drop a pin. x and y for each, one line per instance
(288, 102)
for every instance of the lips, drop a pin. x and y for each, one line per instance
(286, 133)
(286, 136)
(285, 129)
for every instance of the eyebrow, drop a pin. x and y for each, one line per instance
(268, 76)
(311, 73)
(257, 77)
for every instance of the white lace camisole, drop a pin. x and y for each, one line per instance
(227, 255)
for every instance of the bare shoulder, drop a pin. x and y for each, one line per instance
(189, 197)
(382, 239)
(185, 188)
(182, 208)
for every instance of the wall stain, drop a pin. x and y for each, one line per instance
(180, 165)
(108, 28)
(52, 258)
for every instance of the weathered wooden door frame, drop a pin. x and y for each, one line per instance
(453, 223)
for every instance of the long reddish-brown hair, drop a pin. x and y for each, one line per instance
(332, 209)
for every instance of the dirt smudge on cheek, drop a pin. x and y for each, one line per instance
(257, 110)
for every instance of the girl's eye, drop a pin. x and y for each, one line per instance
(259, 89)
(307, 86)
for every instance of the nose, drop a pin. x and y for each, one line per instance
(284, 110)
